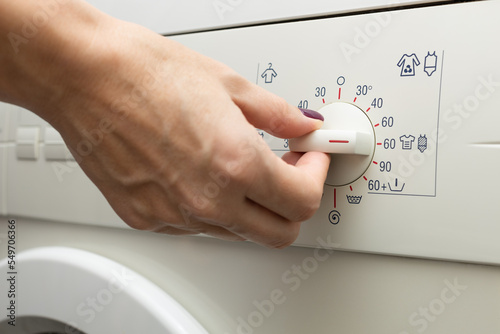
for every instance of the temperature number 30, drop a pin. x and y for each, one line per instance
(320, 92)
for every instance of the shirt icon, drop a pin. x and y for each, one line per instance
(407, 141)
(269, 74)
(408, 64)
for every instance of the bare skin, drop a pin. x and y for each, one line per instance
(166, 134)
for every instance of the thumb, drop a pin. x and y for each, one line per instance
(274, 115)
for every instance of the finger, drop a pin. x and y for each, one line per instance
(199, 227)
(291, 158)
(258, 224)
(292, 191)
(273, 114)
(155, 216)
(167, 229)
(211, 228)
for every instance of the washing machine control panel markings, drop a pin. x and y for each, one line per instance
(381, 143)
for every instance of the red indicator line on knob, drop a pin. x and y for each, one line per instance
(376, 163)
(367, 110)
(378, 124)
(339, 141)
(340, 92)
(334, 198)
(355, 99)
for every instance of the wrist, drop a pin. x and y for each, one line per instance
(42, 50)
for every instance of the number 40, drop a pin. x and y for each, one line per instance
(377, 102)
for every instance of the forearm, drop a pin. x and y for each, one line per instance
(151, 122)
(40, 45)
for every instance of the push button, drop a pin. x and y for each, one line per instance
(55, 148)
(27, 143)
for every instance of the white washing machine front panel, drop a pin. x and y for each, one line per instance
(235, 288)
(431, 93)
(430, 85)
(106, 297)
(169, 17)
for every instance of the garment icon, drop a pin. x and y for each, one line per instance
(269, 74)
(407, 141)
(422, 143)
(430, 63)
(408, 64)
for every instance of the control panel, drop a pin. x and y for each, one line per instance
(411, 104)
(411, 122)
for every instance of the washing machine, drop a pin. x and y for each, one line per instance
(405, 240)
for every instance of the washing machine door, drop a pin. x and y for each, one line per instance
(61, 290)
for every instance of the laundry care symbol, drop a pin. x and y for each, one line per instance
(422, 143)
(409, 63)
(269, 74)
(430, 63)
(408, 140)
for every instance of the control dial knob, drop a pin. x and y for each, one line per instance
(347, 133)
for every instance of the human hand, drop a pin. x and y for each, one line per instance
(168, 136)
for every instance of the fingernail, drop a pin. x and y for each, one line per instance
(312, 114)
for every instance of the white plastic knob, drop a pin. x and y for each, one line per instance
(347, 133)
(334, 141)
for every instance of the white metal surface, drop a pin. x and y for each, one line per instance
(3, 180)
(235, 288)
(5, 116)
(106, 297)
(3, 122)
(168, 17)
